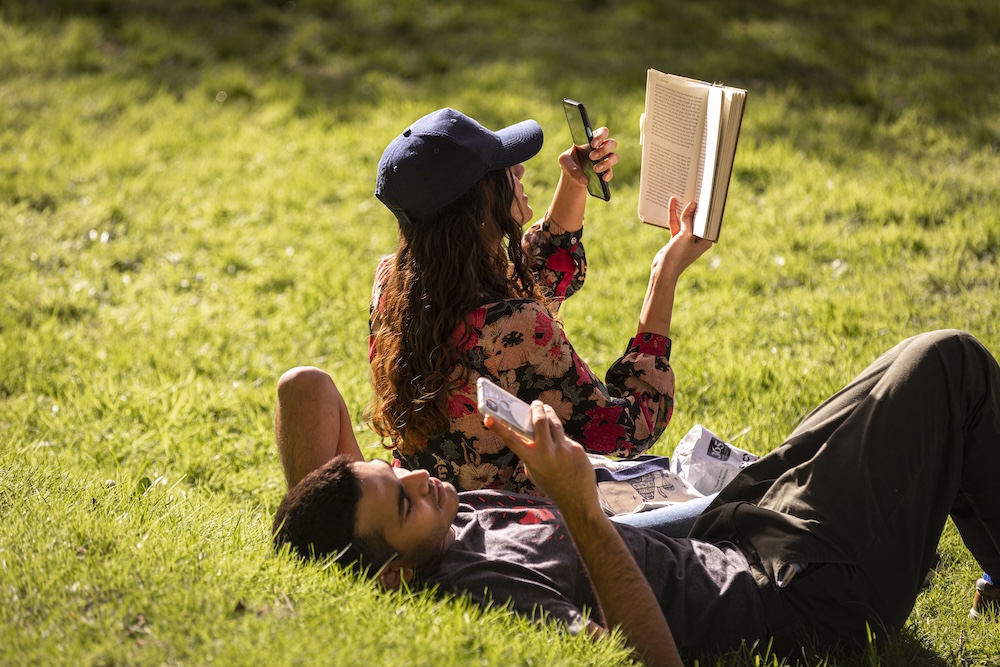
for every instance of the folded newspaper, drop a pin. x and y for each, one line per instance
(702, 464)
(706, 462)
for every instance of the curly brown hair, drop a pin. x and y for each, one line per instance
(447, 264)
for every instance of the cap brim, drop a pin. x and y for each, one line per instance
(520, 142)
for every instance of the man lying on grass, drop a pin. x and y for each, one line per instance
(827, 535)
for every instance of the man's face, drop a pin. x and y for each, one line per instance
(412, 510)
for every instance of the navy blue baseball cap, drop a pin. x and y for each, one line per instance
(439, 157)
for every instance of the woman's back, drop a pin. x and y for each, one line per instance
(518, 344)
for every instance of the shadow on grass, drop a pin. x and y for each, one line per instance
(904, 650)
(935, 56)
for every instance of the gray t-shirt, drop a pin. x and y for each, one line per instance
(517, 548)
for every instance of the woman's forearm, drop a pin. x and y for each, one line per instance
(670, 262)
(570, 199)
(658, 304)
(569, 203)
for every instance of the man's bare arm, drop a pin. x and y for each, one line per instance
(561, 468)
(622, 591)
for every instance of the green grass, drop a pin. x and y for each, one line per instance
(186, 210)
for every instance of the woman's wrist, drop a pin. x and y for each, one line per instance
(667, 266)
(558, 234)
(658, 306)
(569, 203)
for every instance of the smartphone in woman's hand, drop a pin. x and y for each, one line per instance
(582, 133)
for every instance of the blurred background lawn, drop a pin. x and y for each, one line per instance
(186, 211)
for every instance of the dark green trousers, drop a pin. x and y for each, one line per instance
(848, 512)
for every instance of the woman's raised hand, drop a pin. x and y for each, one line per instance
(684, 247)
(603, 147)
(670, 262)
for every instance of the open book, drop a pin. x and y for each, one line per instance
(689, 134)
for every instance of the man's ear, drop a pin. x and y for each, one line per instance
(394, 574)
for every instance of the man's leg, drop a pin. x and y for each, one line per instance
(860, 491)
(311, 423)
(673, 520)
(916, 437)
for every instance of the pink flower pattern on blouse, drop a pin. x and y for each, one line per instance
(520, 346)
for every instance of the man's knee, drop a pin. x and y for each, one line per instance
(954, 342)
(950, 355)
(947, 336)
(940, 343)
(304, 381)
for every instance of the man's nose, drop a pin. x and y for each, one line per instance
(416, 479)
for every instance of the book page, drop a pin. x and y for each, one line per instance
(672, 144)
(732, 118)
(709, 156)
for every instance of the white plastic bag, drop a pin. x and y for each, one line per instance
(706, 462)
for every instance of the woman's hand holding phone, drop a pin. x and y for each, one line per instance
(591, 159)
(584, 168)
(573, 160)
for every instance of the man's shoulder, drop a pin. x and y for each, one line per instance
(495, 511)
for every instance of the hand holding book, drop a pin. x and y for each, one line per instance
(683, 249)
(689, 136)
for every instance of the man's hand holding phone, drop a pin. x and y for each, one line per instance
(557, 464)
(560, 468)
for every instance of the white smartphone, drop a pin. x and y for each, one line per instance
(505, 406)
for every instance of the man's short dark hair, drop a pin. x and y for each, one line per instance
(317, 517)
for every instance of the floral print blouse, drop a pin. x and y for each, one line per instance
(518, 345)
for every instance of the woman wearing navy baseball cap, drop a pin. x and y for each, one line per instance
(467, 294)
